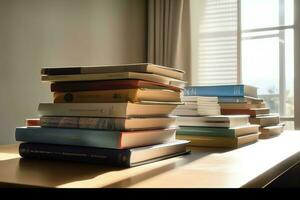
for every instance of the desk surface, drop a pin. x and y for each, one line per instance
(254, 165)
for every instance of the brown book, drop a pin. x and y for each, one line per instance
(126, 95)
(270, 131)
(226, 142)
(242, 105)
(267, 120)
(252, 111)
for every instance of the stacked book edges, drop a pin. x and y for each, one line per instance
(117, 115)
(230, 100)
(218, 131)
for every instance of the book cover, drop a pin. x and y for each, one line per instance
(122, 110)
(94, 138)
(108, 123)
(123, 95)
(221, 90)
(137, 67)
(104, 156)
(107, 85)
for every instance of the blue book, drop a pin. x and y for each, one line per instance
(113, 157)
(222, 90)
(94, 138)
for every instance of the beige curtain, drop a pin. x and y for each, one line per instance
(169, 35)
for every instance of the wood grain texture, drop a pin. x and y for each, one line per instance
(254, 165)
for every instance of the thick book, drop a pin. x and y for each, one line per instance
(267, 120)
(221, 99)
(123, 95)
(225, 142)
(94, 138)
(105, 109)
(270, 131)
(251, 111)
(115, 76)
(218, 132)
(108, 123)
(103, 156)
(108, 85)
(214, 121)
(138, 67)
(222, 90)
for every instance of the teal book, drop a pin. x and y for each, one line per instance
(222, 90)
(94, 138)
(218, 132)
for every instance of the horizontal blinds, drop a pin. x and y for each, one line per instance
(217, 56)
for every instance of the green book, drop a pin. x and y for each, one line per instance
(218, 132)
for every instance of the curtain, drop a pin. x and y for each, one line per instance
(169, 40)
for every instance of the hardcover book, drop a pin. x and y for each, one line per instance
(138, 67)
(115, 76)
(108, 85)
(218, 132)
(108, 123)
(94, 138)
(222, 90)
(102, 156)
(124, 95)
(123, 110)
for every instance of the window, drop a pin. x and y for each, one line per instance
(246, 41)
(268, 52)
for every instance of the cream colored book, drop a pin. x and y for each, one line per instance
(270, 131)
(105, 109)
(227, 142)
(115, 76)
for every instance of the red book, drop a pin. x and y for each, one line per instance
(32, 122)
(107, 85)
(252, 112)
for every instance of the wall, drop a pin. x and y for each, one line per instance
(36, 33)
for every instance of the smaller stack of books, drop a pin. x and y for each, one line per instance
(116, 115)
(217, 131)
(235, 100)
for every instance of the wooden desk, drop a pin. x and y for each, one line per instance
(250, 166)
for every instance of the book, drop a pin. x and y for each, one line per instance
(221, 99)
(222, 90)
(138, 67)
(115, 76)
(241, 105)
(267, 120)
(218, 132)
(123, 95)
(32, 122)
(225, 142)
(94, 138)
(108, 123)
(102, 156)
(105, 109)
(270, 131)
(108, 85)
(251, 111)
(214, 121)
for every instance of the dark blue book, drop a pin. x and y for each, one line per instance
(94, 138)
(222, 90)
(113, 157)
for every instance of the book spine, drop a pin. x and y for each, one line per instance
(77, 154)
(83, 123)
(233, 91)
(96, 96)
(74, 137)
(83, 110)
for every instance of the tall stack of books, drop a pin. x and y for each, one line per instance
(116, 115)
(236, 100)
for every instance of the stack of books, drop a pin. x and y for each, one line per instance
(235, 100)
(217, 131)
(116, 115)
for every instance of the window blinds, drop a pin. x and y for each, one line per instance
(217, 40)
